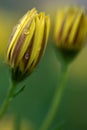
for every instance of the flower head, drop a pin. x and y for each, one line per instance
(27, 43)
(70, 28)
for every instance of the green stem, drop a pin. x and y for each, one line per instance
(8, 99)
(56, 100)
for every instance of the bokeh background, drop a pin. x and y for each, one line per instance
(28, 110)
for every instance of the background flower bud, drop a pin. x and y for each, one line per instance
(70, 28)
(27, 43)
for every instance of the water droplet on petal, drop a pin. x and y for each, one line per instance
(27, 56)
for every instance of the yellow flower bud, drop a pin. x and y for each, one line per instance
(27, 43)
(70, 28)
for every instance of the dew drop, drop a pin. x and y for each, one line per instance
(27, 56)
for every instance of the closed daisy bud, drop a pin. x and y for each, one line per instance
(71, 28)
(27, 43)
(70, 31)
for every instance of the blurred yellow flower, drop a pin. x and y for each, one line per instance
(70, 29)
(8, 123)
(27, 43)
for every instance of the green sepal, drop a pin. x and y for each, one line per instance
(65, 56)
(17, 75)
(19, 91)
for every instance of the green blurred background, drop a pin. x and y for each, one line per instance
(31, 106)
